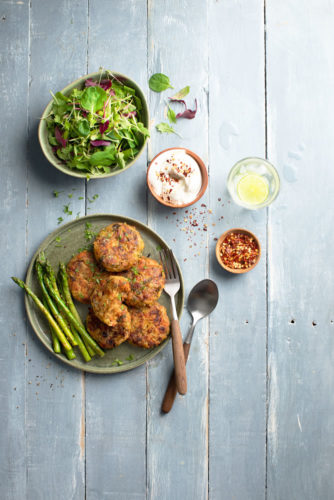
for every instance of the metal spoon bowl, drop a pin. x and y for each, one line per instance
(202, 300)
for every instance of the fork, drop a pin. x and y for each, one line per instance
(172, 286)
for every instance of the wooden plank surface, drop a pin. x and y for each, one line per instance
(55, 449)
(14, 29)
(177, 444)
(70, 436)
(116, 405)
(301, 340)
(238, 330)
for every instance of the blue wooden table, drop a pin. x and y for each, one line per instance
(257, 422)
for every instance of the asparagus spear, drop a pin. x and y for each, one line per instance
(49, 317)
(73, 320)
(51, 305)
(85, 352)
(55, 340)
(69, 302)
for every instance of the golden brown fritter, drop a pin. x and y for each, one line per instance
(147, 280)
(106, 336)
(118, 246)
(83, 273)
(149, 326)
(107, 299)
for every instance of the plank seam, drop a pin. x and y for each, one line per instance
(26, 239)
(267, 232)
(148, 223)
(84, 401)
(208, 322)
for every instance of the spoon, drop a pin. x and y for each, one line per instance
(202, 300)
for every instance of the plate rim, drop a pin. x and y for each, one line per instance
(85, 366)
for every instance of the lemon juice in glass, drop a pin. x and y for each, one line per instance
(253, 183)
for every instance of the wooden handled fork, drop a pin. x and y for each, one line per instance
(172, 286)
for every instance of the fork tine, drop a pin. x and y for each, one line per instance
(163, 260)
(173, 264)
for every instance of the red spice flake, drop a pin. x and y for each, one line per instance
(215, 239)
(203, 205)
(219, 199)
(239, 251)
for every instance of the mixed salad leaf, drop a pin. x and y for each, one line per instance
(97, 129)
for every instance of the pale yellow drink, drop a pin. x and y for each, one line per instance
(253, 189)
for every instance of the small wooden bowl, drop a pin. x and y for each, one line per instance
(223, 237)
(204, 173)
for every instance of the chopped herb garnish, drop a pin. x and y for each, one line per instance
(135, 270)
(95, 197)
(80, 198)
(70, 195)
(117, 362)
(67, 210)
(130, 357)
(58, 239)
(60, 220)
(158, 248)
(88, 233)
(56, 193)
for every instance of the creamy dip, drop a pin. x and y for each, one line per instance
(175, 176)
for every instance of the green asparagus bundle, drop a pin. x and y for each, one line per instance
(57, 306)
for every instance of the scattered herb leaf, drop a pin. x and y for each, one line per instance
(130, 357)
(166, 128)
(180, 94)
(159, 82)
(70, 195)
(58, 239)
(187, 113)
(135, 270)
(80, 198)
(56, 193)
(171, 115)
(60, 220)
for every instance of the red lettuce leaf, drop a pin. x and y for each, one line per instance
(100, 143)
(104, 84)
(60, 138)
(187, 113)
(104, 127)
(131, 113)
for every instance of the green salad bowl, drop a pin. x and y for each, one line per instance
(79, 84)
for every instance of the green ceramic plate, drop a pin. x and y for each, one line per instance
(43, 132)
(59, 246)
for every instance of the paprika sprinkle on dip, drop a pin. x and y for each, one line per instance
(238, 251)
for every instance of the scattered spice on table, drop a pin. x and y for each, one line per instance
(239, 251)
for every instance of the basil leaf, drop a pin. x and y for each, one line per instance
(159, 82)
(180, 94)
(171, 115)
(93, 98)
(164, 127)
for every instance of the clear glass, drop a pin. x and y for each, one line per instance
(259, 167)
